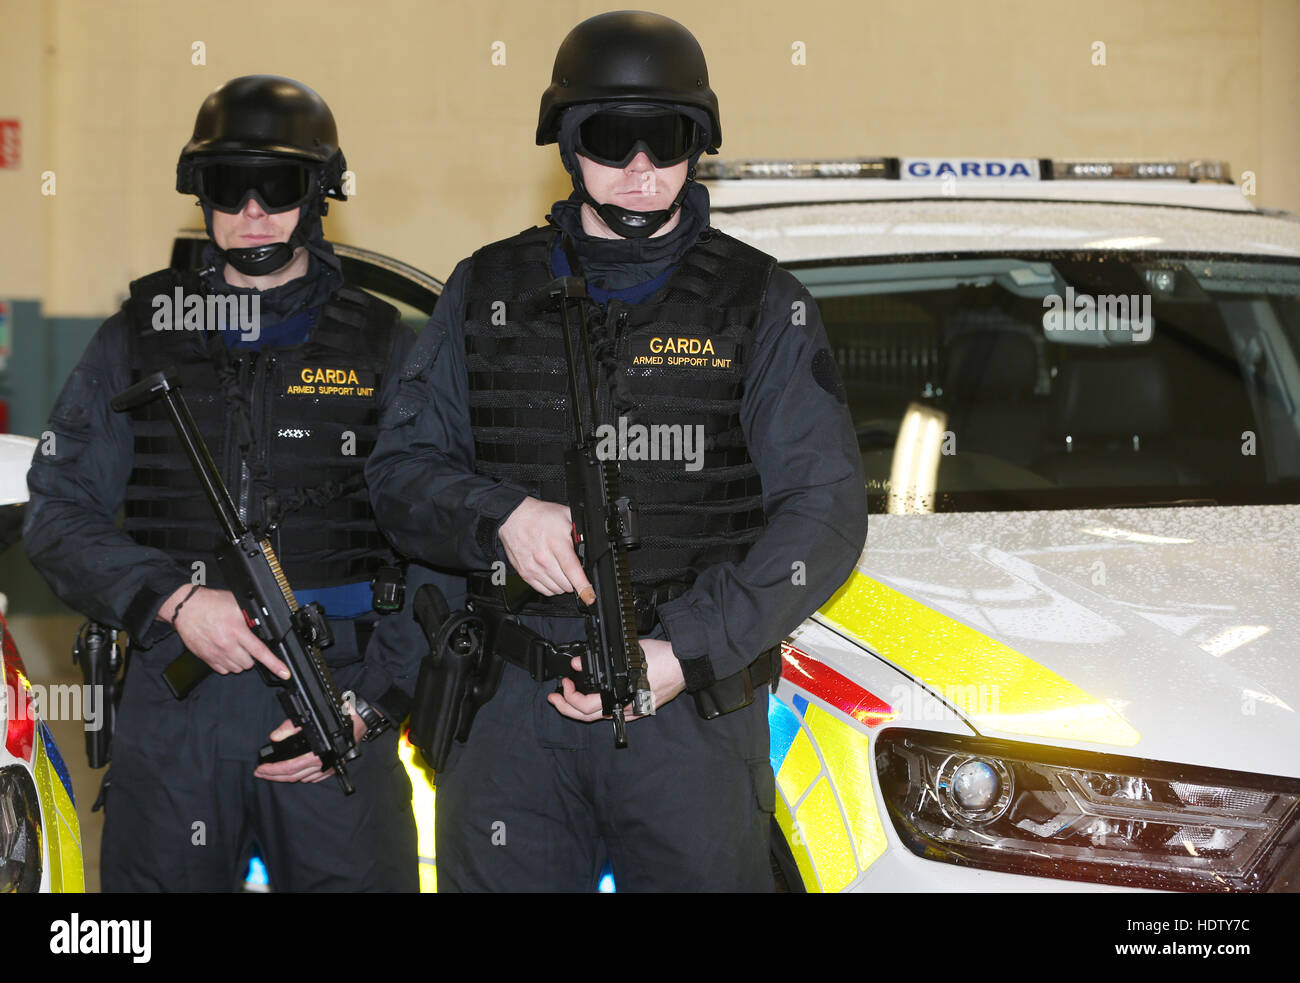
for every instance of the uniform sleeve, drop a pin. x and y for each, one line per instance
(800, 437)
(392, 662)
(423, 487)
(77, 482)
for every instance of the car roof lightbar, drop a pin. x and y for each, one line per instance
(853, 167)
(1216, 171)
(896, 168)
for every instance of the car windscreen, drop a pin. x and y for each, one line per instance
(1068, 380)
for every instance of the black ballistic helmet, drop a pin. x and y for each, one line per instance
(633, 57)
(267, 119)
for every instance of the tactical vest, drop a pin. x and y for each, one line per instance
(314, 413)
(664, 368)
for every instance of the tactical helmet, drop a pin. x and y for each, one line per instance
(264, 117)
(266, 120)
(633, 57)
(628, 59)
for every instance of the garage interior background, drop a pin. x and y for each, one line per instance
(439, 132)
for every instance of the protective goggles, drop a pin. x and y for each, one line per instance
(277, 187)
(615, 136)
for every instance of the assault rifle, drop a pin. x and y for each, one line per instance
(604, 529)
(252, 572)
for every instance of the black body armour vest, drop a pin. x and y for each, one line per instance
(313, 410)
(667, 370)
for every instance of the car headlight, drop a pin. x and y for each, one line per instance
(20, 832)
(1028, 809)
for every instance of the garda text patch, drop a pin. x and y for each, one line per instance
(320, 380)
(683, 351)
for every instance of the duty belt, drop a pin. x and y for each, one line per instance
(545, 660)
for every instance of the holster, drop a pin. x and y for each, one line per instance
(103, 669)
(458, 676)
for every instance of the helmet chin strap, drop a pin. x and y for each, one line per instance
(259, 260)
(624, 221)
(270, 257)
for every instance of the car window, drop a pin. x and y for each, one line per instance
(411, 291)
(1068, 380)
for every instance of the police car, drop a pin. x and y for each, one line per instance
(40, 837)
(1067, 659)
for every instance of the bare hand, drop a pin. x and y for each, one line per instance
(662, 668)
(212, 626)
(305, 767)
(538, 540)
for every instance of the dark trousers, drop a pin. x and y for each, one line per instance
(183, 809)
(537, 802)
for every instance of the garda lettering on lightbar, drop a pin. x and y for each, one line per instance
(969, 168)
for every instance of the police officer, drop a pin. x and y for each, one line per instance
(284, 382)
(690, 328)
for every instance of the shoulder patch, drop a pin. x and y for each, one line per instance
(70, 409)
(827, 375)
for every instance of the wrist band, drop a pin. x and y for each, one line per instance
(177, 610)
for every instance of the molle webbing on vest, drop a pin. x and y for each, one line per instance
(667, 369)
(306, 457)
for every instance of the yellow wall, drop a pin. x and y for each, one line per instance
(441, 139)
(22, 97)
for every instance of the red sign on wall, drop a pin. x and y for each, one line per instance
(11, 144)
